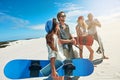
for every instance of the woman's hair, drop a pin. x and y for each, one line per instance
(83, 24)
(49, 36)
(54, 25)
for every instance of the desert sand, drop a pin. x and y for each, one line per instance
(36, 49)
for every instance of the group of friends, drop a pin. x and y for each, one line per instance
(60, 42)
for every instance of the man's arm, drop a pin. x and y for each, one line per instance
(63, 41)
(66, 41)
(72, 38)
(97, 23)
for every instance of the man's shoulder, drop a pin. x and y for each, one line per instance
(87, 20)
(95, 19)
(66, 25)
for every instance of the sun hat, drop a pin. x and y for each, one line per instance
(48, 26)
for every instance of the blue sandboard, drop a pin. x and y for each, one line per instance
(83, 67)
(20, 68)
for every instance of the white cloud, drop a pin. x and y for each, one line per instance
(75, 14)
(107, 12)
(14, 22)
(72, 10)
(104, 7)
(38, 27)
(110, 18)
(68, 6)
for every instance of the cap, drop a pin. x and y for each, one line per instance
(48, 26)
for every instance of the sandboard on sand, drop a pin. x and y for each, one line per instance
(23, 68)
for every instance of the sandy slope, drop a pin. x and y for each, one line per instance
(36, 49)
(22, 49)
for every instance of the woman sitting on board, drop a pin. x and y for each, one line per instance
(54, 46)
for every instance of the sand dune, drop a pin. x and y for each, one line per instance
(36, 49)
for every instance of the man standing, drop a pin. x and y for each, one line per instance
(67, 40)
(65, 36)
(92, 24)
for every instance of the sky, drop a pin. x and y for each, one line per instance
(21, 19)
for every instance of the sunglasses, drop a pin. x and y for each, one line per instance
(63, 16)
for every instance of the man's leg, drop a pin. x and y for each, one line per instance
(71, 52)
(98, 39)
(100, 48)
(66, 53)
(76, 54)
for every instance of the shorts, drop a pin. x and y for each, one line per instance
(86, 40)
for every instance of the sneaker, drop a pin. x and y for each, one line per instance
(99, 51)
(104, 57)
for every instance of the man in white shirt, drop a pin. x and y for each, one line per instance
(92, 25)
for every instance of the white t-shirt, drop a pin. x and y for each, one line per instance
(92, 29)
(59, 53)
